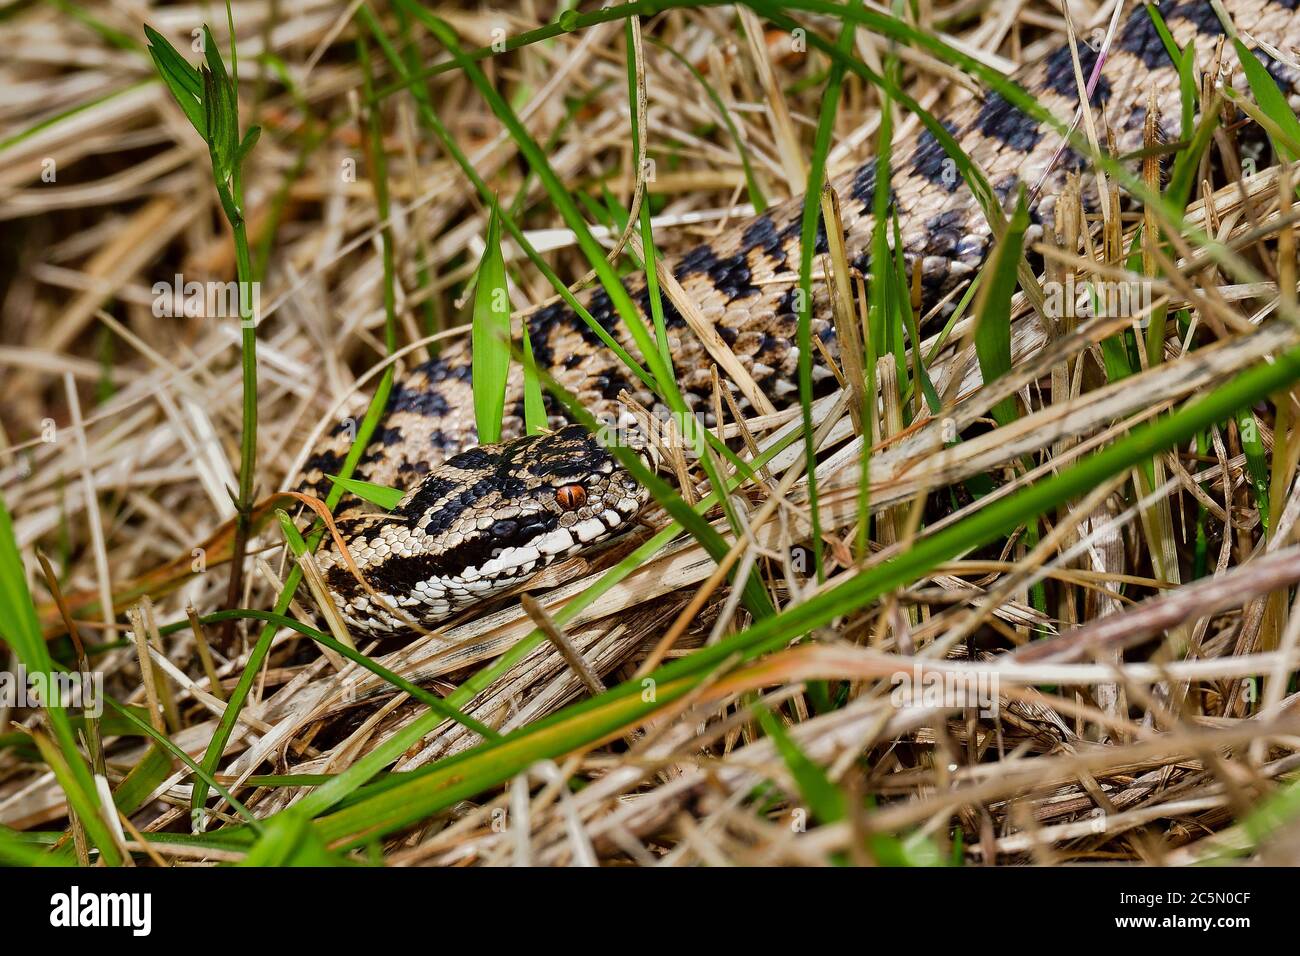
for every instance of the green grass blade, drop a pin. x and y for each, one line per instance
(18, 850)
(807, 247)
(380, 495)
(993, 309)
(490, 336)
(161, 740)
(1272, 101)
(289, 840)
(824, 799)
(180, 78)
(535, 420)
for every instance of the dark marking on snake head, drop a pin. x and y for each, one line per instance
(438, 369)
(1005, 123)
(470, 460)
(431, 367)
(432, 490)
(574, 458)
(733, 277)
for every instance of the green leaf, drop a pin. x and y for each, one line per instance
(1188, 161)
(824, 799)
(16, 849)
(381, 495)
(143, 780)
(289, 840)
(490, 336)
(212, 118)
(1271, 100)
(221, 110)
(1252, 444)
(250, 140)
(165, 744)
(82, 798)
(647, 232)
(1189, 95)
(180, 78)
(534, 406)
(1185, 60)
(993, 309)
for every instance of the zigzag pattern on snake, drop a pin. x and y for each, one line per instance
(477, 520)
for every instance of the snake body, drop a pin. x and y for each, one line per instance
(478, 519)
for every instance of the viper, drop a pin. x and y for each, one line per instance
(478, 519)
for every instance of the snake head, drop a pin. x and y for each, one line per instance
(493, 515)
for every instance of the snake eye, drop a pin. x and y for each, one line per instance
(571, 497)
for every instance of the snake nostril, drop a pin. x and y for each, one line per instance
(505, 528)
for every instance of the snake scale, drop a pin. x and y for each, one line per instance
(478, 519)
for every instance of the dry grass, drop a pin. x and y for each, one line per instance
(1129, 723)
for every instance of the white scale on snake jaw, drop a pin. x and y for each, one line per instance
(431, 560)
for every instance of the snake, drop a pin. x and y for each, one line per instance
(478, 519)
